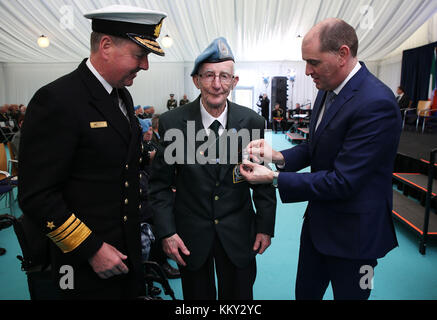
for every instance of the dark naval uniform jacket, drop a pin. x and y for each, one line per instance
(79, 167)
(210, 202)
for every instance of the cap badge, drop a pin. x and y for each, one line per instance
(158, 29)
(224, 52)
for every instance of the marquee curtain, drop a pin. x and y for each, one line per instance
(416, 71)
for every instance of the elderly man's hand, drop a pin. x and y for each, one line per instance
(171, 247)
(255, 173)
(262, 242)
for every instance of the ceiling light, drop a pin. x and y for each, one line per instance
(167, 42)
(43, 41)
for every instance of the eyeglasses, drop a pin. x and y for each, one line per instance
(224, 77)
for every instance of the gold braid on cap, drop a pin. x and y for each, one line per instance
(149, 44)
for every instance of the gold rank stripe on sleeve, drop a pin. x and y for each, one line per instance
(70, 235)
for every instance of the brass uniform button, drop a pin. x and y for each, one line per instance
(216, 198)
(126, 201)
(126, 184)
(216, 221)
(125, 218)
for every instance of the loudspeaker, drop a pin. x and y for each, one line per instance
(279, 92)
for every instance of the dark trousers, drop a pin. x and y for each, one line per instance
(349, 278)
(233, 283)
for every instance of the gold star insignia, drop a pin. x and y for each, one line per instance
(50, 225)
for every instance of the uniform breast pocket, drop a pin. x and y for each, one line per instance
(102, 142)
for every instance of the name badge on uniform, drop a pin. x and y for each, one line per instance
(236, 174)
(99, 124)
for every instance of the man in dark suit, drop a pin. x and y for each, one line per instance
(402, 98)
(211, 221)
(265, 106)
(80, 156)
(353, 142)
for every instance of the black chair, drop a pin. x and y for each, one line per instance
(4, 223)
(35, 261)
(154, 273)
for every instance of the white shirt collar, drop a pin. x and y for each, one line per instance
(105, 83)
(208, 119)
(351, 74)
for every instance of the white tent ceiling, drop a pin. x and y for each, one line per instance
(257, 30)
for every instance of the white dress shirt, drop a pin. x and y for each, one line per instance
(107, 87)
(338, 89)
(208, 119)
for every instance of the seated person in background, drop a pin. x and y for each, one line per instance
(295, 111)
(14, 113)
(15, 142)
(171, 103)
(402, 98)
(148, 112)
(184, 100)
(22, 108)
(139, 112)
(278, 118)
(6, 128)
(152, 250)
(155, 125)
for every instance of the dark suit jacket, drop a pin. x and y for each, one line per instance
(208, 204)
(79, 155)
(404, 102)
(351, 156)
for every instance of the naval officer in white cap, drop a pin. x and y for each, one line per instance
(79, 176)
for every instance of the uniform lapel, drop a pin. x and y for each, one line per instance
(193, 116)
(135, 127)
(234, 124)
(102, 101)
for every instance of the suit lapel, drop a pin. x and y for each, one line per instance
(343, 97)
(316, 111)
(102, 101)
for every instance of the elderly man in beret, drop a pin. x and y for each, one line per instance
(210, 221)
(80, 186)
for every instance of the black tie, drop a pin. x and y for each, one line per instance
(114, 96)
(215, 128)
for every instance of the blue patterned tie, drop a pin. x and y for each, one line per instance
(330, 97)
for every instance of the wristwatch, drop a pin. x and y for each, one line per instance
(275, 179)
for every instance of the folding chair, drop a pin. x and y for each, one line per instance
(423, 110)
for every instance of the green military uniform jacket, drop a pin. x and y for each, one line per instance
(209, 203)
